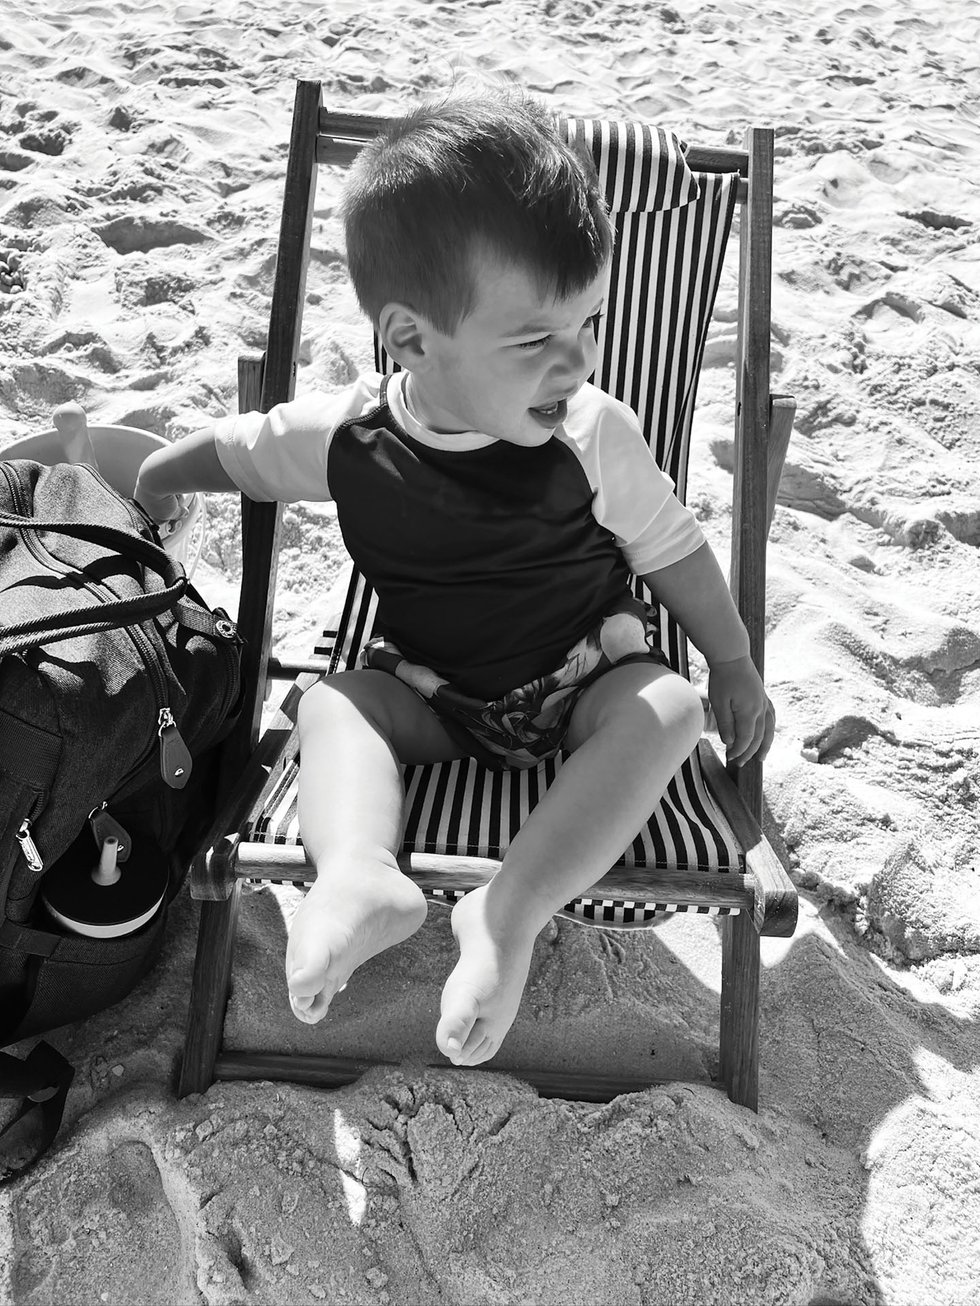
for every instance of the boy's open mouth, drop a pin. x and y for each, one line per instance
(550, 414)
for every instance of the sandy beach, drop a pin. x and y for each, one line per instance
(142, 151)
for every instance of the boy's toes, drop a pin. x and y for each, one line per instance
(308, 998)
(309, 1010)
(456, 1027)
(477, 1051)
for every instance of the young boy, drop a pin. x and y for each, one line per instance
(497, 503)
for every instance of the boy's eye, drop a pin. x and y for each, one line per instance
(595, 321)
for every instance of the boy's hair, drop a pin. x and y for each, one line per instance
(470, 171)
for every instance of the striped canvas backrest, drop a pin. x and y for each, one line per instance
(672, 228)
(671, 231)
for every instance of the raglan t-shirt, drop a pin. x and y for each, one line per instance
(489, 559)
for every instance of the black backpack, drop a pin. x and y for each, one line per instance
(116, 682)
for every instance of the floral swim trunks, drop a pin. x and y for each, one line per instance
(528, 724)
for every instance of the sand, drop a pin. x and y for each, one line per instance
(141, 162)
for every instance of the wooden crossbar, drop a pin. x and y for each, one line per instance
(342, 136)
(335, 1072)
(288, 862)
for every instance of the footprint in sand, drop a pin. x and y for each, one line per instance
(796, 214)
(47, 141)
(844, 181)
(136, 232)
(39, 386)
(810, 480)
(937, 221)
(38, 131)
(14, 160)
(96, 1216)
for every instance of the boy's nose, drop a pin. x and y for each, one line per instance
(578, 360)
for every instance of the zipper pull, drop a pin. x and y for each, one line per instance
(29, 848)
(175, 758)
(105, 826)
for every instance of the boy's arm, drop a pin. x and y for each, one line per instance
(188, 464)
(695, 592)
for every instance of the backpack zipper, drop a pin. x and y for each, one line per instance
(23, 834)
(28, 847)
(175, 757)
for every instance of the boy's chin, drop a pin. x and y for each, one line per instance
(530, 435)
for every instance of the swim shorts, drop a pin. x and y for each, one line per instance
(529, 724)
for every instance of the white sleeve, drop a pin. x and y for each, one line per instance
(282, 455)
(634, 499)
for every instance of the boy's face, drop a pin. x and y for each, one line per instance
(512, 364)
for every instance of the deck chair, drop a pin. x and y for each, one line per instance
(703, 849)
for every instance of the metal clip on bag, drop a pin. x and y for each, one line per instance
(116, 682)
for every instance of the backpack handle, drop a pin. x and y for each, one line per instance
(118, 612)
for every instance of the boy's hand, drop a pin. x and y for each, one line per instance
(172, 474)
(746, 718)
(160, 507)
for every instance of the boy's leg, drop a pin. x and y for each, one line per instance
(629, 733)
(355, 730)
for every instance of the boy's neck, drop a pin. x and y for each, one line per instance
(415, 404)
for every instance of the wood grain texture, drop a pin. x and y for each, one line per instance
(739, 1028)
(288, 862)
(775, 897)
(210, 985)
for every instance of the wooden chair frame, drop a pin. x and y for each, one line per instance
(763, 891)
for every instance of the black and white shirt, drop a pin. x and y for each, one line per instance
(490, 560)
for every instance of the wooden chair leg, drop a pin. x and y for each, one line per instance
(209, 992)
(740, 965)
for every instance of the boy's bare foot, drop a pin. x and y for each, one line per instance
(348, 916)
(483, 993)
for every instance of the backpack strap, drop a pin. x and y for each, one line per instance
(106, 616)
(42, 1079)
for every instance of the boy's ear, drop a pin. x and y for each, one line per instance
(405, 335)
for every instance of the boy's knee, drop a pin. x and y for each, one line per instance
(688, 711)
(679, 710)
(675, 709)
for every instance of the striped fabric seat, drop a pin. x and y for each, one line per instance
(671, 227)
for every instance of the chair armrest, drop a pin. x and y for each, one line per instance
(776, 901)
